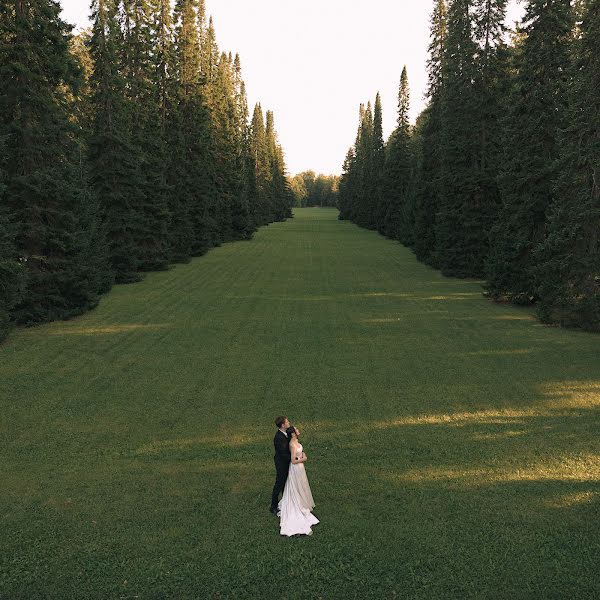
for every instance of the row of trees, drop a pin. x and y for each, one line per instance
(310, 189)
(122, 150)
(499, 179)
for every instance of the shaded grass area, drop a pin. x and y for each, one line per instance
(453, 444)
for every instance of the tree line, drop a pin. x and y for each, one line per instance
(500, 177)
(310, 189)
(123, 149)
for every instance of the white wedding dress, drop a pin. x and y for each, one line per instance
(297, 502)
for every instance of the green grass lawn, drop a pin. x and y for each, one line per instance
(453, 444)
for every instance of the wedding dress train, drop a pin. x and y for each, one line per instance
(297, 502)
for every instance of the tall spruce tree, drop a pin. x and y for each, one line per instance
(374, 194)
(279, 190)
(492, 87)
(225, 139)
(459, 235)
(428, 194)
(352, 181)
(537, 113)
(347, 185)
(364, 163)
(114, 169)
(140, 42)
(191, 174)
(243, 223)
(11, 270)
(568, 272)
(260, 154)
(162, 27)
(46, 189)
(396, 222)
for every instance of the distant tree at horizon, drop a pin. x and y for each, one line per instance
(310, 189)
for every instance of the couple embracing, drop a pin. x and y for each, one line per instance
(294, 508)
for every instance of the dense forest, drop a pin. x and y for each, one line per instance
(310, 189)
(500, 177)
(123, 150)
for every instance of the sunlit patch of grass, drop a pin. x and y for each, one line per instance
(572, 394)
(453, 297)
(500, 417)
(123, 328)
(574, 499)
(585, 468)
(499, 435)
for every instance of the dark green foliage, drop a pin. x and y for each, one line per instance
(263, 210)
(460, 238)
(125, 148)
(114, 162)
(427, 193)
(394, 218)
(242, 222)
(568, 274)
(46, 182)
(537, 111)
(147, 139)
(347, 186)
(280, 191)
(498, 178)
(11, 269)
(361, 182)
(374, 191)
(194, 227)
(364, 162)
(310, 189)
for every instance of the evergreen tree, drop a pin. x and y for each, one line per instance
(427, 197)
(46, 188)
(162, 27)
(373, 200)
(193, 224)
(147, 144)
(492, 87)
(459, 235)
(279, 192)
(225, 139)
(395, 220)
(352, 181)
(260, 154)
(568, 274)
(347, 186)
(11, 270)
(536, 114)
(115, 175)
(242, 223)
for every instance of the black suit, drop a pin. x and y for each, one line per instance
(283, 458)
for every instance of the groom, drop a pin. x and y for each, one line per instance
(282, 460)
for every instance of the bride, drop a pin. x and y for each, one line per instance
(297, 502)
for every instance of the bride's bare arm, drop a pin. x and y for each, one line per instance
(295, 459)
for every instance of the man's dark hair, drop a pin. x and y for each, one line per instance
(279, 421)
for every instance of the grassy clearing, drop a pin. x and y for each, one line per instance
(453, 444)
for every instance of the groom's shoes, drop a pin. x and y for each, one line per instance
(273, 510)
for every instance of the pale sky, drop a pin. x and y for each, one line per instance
(313, 62)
